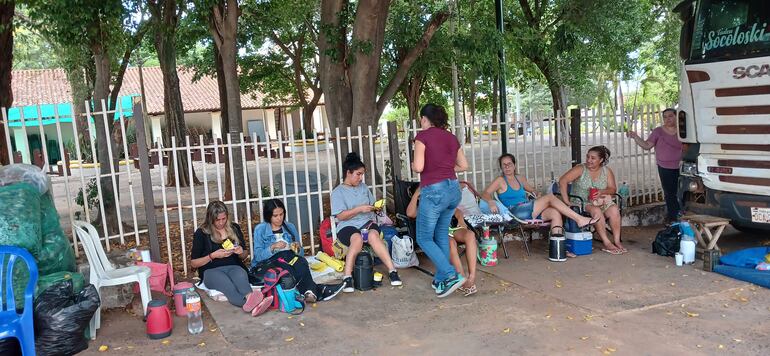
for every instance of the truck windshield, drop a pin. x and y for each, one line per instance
(731, 29)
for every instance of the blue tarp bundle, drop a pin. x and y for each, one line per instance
(740, 265)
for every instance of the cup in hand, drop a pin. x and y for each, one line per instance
(593, 194)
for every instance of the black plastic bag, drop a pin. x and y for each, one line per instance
(61, 319)
(667, 241)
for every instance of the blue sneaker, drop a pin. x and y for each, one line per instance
(448, 286)
(434, 284)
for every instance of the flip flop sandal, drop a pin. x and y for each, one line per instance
(571, 255)
(590, 223)
(612, 252)
(252, 301)
(468, 291)
(262, 306)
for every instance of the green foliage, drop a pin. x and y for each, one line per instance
(570, 41)
(91, 196)
(280, 53)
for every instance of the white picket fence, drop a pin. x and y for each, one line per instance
(269, 168)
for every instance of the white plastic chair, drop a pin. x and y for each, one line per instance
(103, 274)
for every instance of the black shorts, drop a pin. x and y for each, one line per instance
(347, 232)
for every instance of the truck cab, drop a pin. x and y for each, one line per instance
(724, 110)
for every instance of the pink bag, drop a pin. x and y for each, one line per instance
(160, 272)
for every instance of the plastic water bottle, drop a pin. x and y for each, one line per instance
(624, 192)
(194, 318)
(687, 243)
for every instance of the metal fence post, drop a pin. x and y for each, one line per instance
(575, 135)
(144, 173)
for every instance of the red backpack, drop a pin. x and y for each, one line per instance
(325, 231)
(272, 278)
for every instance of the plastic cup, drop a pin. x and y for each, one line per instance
(593, 194)
(145, 255)
(365, 234)
(679, 258)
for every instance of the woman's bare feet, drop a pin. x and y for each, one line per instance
(620, 247)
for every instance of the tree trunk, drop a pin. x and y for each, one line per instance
(350, 75)
(165, 19)
(559, 98)
(333, 63)
(104, 139)
(411, 92)
(6, 66)
(224, 31)
(308, 110)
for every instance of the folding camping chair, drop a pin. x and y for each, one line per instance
(516, 223)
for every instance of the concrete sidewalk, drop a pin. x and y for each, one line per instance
(636, 303)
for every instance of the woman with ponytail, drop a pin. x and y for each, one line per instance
(594, 174)
(437, 156)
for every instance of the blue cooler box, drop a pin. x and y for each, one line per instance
(579, 243)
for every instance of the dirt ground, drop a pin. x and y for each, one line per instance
(637, 303)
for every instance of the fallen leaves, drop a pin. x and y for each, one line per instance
(103, 348)
(289, 339)
(165, 342)
(691, 315)
(584, 338)
(506, 330)
(202, 344)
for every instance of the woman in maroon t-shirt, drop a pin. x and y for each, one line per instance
(437, 156)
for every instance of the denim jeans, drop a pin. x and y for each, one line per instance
(669, 180)
(437, 206)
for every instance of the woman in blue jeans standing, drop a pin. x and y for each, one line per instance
(437, 156)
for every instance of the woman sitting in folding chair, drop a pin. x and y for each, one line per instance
(512, 191)
(460, 233)
(352, 205)
(594, 174)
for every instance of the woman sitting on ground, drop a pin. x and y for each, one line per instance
(460, 234)
(218, 255)
(512, 192)
(595, 174)
(352, 204)
(277, 242)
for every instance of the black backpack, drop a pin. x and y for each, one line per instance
(667, 241)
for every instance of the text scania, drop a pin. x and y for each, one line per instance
(752, 71)
(732, 37)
